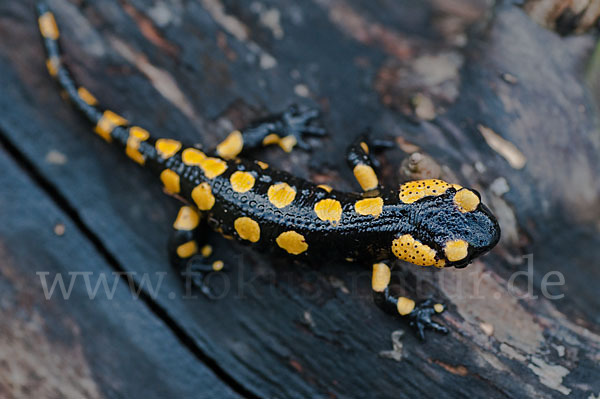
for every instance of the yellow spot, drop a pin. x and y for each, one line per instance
(281, 194)
(263, 165)
(186, 250)
(438, 307)
(415, 190)
(271, 139)
(86, 96)
(405, 305)
(218, 265)
(247, 229)
(366, 177)
(369, 206)
(171, 181)
(364, 147)
(381, 277)
(408, 249)
(167, 147)
(231, 146)
(206, 251)
(329, 209)
(287, 143)
(466, 200)
(213, 167)
(325, 187)
(187, 219)
(139, 133)
(107, 124)
(241, 181)
(52, 64)
(292, 242)
(203, 197)
(48, 26)
(456, 250)
(192, 156)
(136, 136)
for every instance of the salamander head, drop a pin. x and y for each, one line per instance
(449, 226)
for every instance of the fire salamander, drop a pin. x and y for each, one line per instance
(426, 222)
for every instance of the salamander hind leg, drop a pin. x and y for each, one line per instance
(419, 314)
(286, 130)
(192, 259)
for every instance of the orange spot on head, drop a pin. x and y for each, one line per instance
(466, 200)
(415, 190)
(456, 250)
(410, 250)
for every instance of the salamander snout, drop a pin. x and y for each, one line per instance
(449, 225)
(482, 233)
(466, 228)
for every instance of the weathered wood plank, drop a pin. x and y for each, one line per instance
(74, 343)
(193, 70)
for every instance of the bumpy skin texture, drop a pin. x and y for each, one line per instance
(427, 222)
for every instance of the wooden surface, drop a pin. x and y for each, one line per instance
(445, 77)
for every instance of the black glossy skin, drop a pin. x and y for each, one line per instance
(432, 220)
(362, 238)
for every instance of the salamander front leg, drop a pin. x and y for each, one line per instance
(191, 260)
(286, 130)
(418, 314)
(363, 166)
